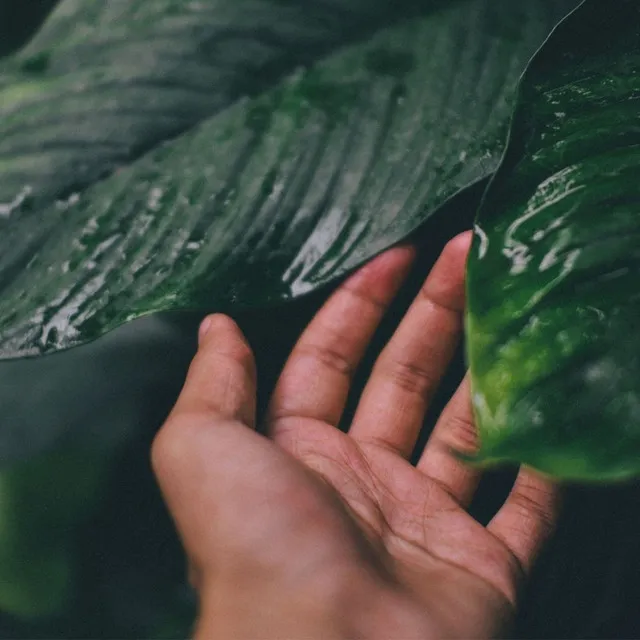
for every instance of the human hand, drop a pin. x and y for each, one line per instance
(316, 533)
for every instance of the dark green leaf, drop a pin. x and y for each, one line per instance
(554, 295)
(264, 201)
(104, 81)
(18, 21)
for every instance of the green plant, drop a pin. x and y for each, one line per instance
(170, 155)
(217, 155)
(553, 299)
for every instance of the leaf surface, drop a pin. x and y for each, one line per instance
(135, 179)
(553, 290)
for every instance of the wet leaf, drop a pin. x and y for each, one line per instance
(135, 178)
(553, 293)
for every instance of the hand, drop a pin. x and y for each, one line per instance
(316, 533)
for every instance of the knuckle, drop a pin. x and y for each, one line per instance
(536, 507)
(284, 427)
(363, 296)
(329, 356)
(444, 294)
(462, 433)
(233, 352)
(410, 377)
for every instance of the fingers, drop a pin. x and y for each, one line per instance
(394, 402)
(528, 516)
(315, 381)
(454, 432)
(221, 382)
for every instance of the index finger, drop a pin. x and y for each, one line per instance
(316, 379)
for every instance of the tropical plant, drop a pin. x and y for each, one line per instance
(232, 155)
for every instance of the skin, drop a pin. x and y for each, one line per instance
(315, 533)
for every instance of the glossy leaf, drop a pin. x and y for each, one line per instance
(103, 82)
(553, 289)
(265, 200)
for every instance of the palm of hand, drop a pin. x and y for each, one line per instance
(415, 515)
(428, 540)
(414, 519)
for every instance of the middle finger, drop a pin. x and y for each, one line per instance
(408, 371)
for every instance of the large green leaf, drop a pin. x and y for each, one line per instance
(104, 81)
(554, 295)
(265, 200)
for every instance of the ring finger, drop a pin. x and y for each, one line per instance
(454, 432)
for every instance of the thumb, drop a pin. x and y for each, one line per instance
(196, 456)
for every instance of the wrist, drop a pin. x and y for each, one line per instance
(335, 605)
(268, 607)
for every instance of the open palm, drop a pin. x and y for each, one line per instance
(325, 494)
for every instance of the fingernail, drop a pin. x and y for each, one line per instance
(204, 329)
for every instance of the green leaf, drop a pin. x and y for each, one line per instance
(554, 301)
(103, 82)
(268, 199)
